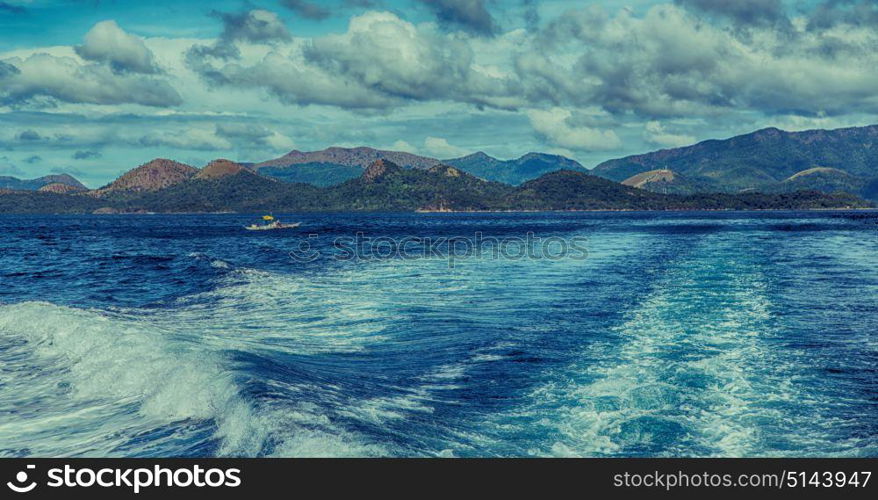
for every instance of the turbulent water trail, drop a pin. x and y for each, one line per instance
(709, 336)
(78, 382)
(693, 370)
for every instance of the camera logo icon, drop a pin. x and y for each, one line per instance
(21, 478)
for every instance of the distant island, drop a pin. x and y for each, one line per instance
(768, 160)
(767, 170)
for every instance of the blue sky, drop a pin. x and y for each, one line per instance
(95, 88)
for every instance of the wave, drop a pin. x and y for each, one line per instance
(80, 369)
(90, 383)
(653, 346)
(697, 368)
(178, 380)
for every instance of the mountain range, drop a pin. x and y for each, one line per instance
(225, 186)
(768, 160)
(765, 169)
(335, 165)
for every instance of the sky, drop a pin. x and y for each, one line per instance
(95, 88)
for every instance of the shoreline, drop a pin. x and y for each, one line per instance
(431, 212)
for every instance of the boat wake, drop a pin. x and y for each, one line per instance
(664, 342)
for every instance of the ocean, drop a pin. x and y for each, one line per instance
(670, 335)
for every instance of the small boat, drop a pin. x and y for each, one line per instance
(270, 224)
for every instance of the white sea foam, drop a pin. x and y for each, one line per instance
(300, 314)
(87, 382)
(692, 371)
(689, 371)
(680, 382)
(99, 378)
(86, 369)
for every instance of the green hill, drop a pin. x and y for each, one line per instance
(35, 202)
(386, 186)
(759, 160)
(569, 190)
(827, 180)
(17, 184)
(668, 182)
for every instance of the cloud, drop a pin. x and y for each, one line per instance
(292, 81)
(398, 60)
(190, 138)
(7, 69)
(668, 63)
(829, 13)
(86, 155)
(68, 134)
(440, 148)
(656, 134)
(107, 42)
(256, 26)
(745, 12)
(60, 78)
(380, 62)
(471, 15)
(260, 27)
(80, 135)
(29, 136)
(280, 142)
(102, 139)
(554, 125)
(401, 145)
(251, 135)
(383, 52)
(249, 131)
(306, 9)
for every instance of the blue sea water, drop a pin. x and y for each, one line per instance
(681, 334)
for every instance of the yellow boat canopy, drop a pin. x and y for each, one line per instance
(267, 217)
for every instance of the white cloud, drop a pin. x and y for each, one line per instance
(397, 58)
(43, 76)
(655, 133)
(401, 145)
(107, 42)
(440, 148)
(668, 62)
(555, 126)
(380, 62)
(280, 142)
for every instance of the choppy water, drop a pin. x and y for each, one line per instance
(718, 334)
